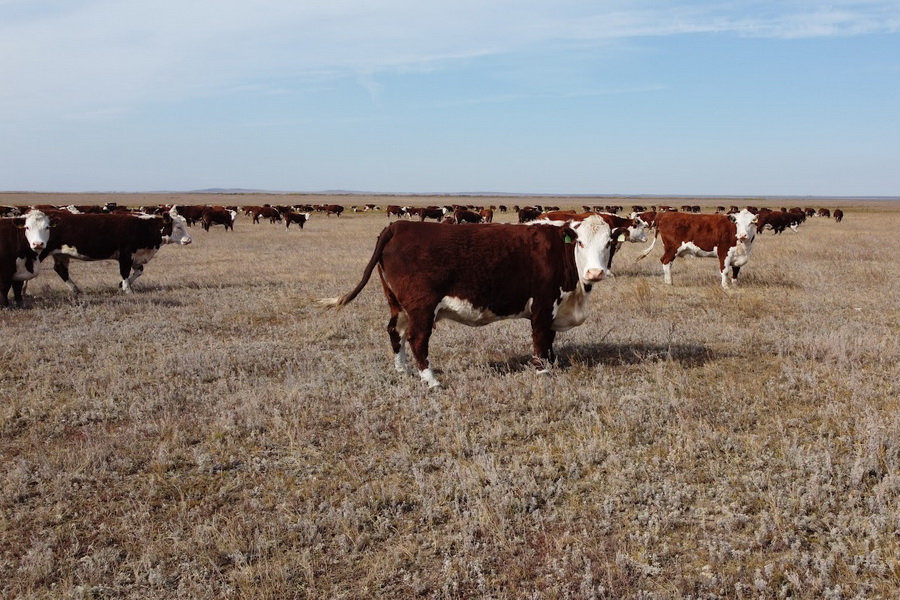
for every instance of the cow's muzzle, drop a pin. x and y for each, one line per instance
(594, 275)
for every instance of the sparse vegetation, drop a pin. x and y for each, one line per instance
(215, 436)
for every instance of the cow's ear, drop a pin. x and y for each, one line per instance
(167, 218)
(732, 218)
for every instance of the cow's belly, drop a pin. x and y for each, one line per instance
(692, 249)
(73, 252)
(465, 312)
(26, 269)
(739, 254)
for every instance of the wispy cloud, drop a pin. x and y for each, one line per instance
(94, 53)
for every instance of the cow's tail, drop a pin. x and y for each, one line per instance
(383, 239)
(650, 247)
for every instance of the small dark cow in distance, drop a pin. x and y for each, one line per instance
(838, 215)
(295, 217)
(728, 237)
(479, 275)
(218, 216)
(392, 210)
(464, 215)
(333, 209)
(21, 238)
(132, 240)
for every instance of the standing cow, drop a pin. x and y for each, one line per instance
(728, 237)
(132, 240)
(479, 275)
(21, 239)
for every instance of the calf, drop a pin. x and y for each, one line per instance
(479, 275)
(295, 217)
(132, 240)
(730, 238)
(21, 239)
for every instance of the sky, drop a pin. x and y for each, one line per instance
(595, 97)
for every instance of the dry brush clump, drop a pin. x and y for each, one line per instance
(215, 435)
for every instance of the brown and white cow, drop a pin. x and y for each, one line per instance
(728, 237)
(218, 216)
(295, 217)
(631, 229)
(777, 221)
(132, 240)
(479, 275)
(21, 238)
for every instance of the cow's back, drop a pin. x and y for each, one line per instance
(102, 235)
(706, 231)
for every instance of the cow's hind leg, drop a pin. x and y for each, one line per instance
(125, 264)
(418, 333)
(396, 328)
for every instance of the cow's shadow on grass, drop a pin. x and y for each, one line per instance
(615, 355)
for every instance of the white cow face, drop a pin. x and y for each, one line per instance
(37, 229)
(180, 233)
(592, 249)
(746, 225)
(638, 231)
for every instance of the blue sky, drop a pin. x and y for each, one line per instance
(782, 97)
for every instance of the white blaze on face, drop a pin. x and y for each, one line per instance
(745, 223)
(37, 230)
(592, 249)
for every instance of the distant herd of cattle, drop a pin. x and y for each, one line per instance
(28, 235)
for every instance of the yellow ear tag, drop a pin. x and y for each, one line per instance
(622, 237)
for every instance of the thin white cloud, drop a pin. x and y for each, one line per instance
(89, 55)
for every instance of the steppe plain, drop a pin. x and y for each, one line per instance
(216, 435)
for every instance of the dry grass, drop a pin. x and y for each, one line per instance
(213, 435)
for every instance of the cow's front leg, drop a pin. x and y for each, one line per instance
(61, 266)
(125, 263)
(542, 335)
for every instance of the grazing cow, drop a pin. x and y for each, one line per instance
(266, 212)
(431, 212)
(295, 217)
(528, 214)
(824, 212)
(730, 238)
(218, 216)
(479, 275)
(21, 238)
(333, 209)
(392, 210)
(464, 215)
(777, 220)
(838, 215)
(131, 239)
(487, 215)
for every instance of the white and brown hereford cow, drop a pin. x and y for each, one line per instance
(21, 239)
(728, 237)
(130, 239)
(479, 275)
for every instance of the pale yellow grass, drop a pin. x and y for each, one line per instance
(214, 435)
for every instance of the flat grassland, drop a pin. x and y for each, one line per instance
(215, 435)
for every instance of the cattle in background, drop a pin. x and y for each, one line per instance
(333, 209)
(392, 210)
(464, 215)
(810, 212)
(191, 214)
(132, 240)
(479, 275)
(824, 212)
(295, 217)
(431, 212)
(218, 216)
(21, 238)
(487, 215)
(838, 215)
(528, 214)
(503, 208)
(777, 221)
(730, 238)
(266, 212)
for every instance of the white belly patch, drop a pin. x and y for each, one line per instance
(463, 311)
(22, 271)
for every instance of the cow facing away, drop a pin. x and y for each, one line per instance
(479, 275)
(20, 241)
(728, 237)
(132, 240)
